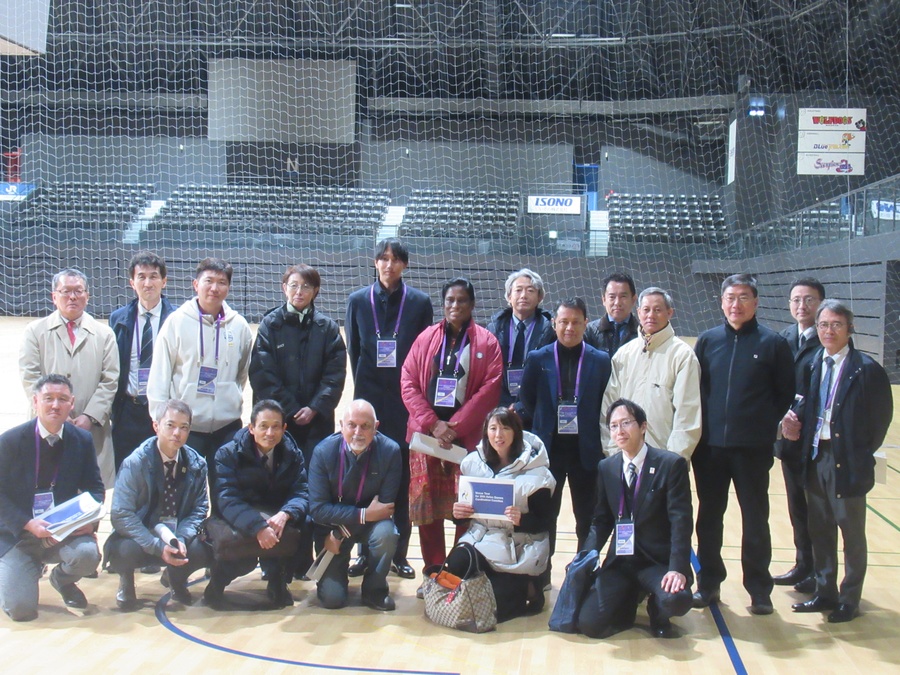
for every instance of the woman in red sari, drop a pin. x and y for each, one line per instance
(449, 382)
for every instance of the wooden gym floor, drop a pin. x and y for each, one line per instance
(307, 638)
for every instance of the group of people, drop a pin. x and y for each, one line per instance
(619, 407)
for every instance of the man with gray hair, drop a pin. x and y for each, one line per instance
(72, 342)
(841, 420)
(520, 328)
(659, 372)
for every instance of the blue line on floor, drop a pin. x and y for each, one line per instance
(730, 647)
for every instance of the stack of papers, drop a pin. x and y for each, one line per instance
(69, 516)
(429, 445)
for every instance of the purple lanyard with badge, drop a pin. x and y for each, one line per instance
(362, 479)
(386, 350)
(206, 383)
(567, 413)
(445, 390)
(625, 526)
(43, 500)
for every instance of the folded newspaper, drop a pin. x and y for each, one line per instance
(63, 519)
(430, 446)
(323, 560)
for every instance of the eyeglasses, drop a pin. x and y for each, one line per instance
(623, 425)
(806, 300)
(71, 292)
(294, 287)
(739, 299)
(834, 326)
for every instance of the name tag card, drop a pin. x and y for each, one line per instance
(207, 381)
(567, 418)
(143, 376)
(386, 354)
(514, 380)
(43, 501)
(625, 537)
(445, 392)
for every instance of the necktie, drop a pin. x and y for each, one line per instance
(802, 340)
(146, 355)
(630, 480)
(825, 386)
(169, 507)
(518, 355)
(70, 327)
(52, 439)
(265, 462)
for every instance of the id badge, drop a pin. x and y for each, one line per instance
(625, 537)
(567, 418)
(207, 382)
(514, 380)
(820, 422)
(143, 376)
(43, 502)
(386, 354)
(445, 392)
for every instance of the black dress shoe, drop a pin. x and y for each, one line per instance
(704, 597)
(792, 576)
(358, 567)
(214, 596)
(817, 604)
(71, 594)
(180, 592)
(807, 585)
(279, 594)
(126, 598)
(385, 604)
(660, 627)
(403, 570)
(843, 613)
(761, 605)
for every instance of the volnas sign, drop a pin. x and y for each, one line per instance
(569, 205)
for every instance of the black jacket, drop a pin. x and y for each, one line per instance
(300, 364)
(861, 413)
(747, 384)
(542, 334)
(786, 450)
(599, 334)
(244, 487)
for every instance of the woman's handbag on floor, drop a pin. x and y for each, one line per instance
(465, 603)
(579, 573)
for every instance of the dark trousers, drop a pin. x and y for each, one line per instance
(612, 601)
(798, 511)
(565, 463)
(207, 444)
(827, 513)
(401, 511)
(131, 426)
(511, 591)
(715, 469)
(125, 555)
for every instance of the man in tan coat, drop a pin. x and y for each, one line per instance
(71, 342)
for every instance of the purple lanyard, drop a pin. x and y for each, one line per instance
(362, 480)
(637, 486)
(37, 459)
(219, 318)
(559, 387)
(462, 346)
(375, 314)
(512, 346)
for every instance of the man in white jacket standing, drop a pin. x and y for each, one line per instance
(659, 372)
(201, 356)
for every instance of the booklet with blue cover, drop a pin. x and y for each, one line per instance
(488, 496)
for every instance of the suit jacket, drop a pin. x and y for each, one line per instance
(542, 334)
(538, 399)
(803, 358)
(78, 472)
(861, 413)
(663, 520)
(121, 321)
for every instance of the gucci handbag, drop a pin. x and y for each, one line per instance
(465, 603)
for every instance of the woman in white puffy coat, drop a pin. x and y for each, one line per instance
(514, 552)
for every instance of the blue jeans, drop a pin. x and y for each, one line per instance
(381, 540)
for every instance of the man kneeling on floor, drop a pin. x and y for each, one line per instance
(353, 481)
(158, 508)
(259, 506)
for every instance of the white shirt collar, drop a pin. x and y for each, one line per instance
(808, 333)
(42, 430)
(838, 358)
(155, 312)
(165, 459)
(638, 461)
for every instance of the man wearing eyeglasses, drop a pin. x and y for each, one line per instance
(71, 342)
(806, 296)
(746, 384)
(840, 422)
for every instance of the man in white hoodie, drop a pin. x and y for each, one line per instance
(201, 356)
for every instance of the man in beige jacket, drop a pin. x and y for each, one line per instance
(660, 373)
(71, 342)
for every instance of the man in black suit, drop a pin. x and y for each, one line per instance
(131, 423)
(841, 422)
(643, 496)
(806, 296)
(43, 463)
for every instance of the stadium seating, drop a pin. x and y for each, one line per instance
(648, 218)
(83, 205)
(462, 214)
